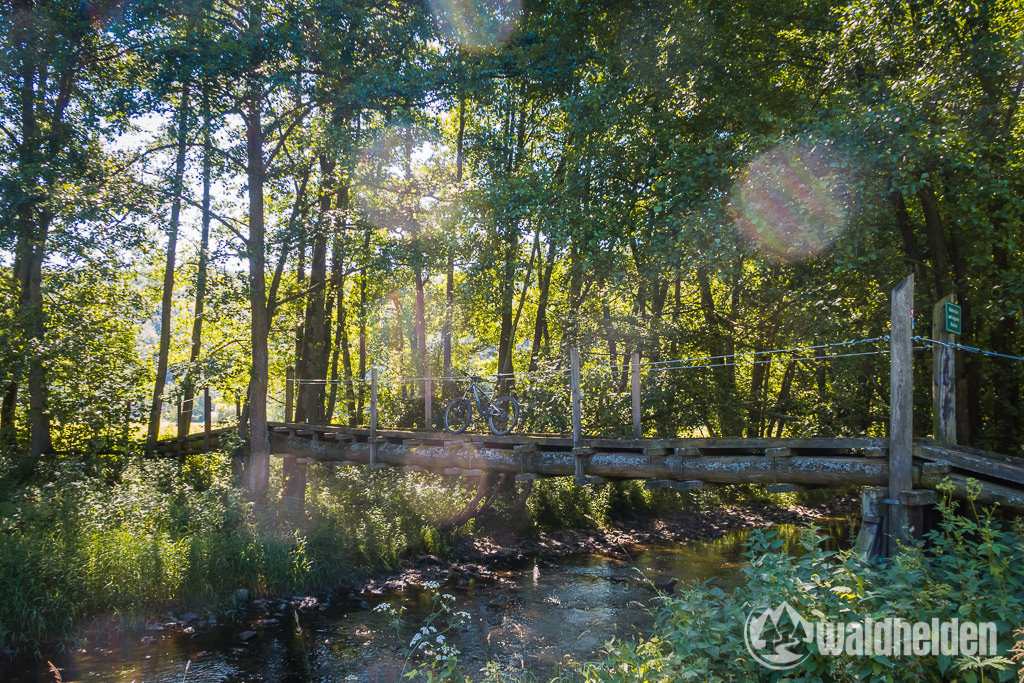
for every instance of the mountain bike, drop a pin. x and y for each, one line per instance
(501, 412)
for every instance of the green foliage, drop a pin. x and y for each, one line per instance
(968, 571)
(558, 503)
(158, 535)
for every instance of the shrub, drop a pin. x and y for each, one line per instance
(970, 571)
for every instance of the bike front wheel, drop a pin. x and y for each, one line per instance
(457, 415)
(503, 415)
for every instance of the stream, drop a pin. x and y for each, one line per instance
(536, 617)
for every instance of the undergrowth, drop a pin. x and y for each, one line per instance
(156, 535)
(970, 570)
(131, 538)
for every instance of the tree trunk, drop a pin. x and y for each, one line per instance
(755, 410)
(540, 325)
(446, 329)
(361, 399)
(782, 403)
(34, 332)
(936, 238)
(312, 364)
(341, 345)
(168, 291)
(910, 246)
(259, 444)
(189, 390)
(722, 346)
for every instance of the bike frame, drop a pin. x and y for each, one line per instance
(479, 391)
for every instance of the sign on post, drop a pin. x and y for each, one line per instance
(954, 320)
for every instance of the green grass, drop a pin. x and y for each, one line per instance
(75, 545)
(131, 538)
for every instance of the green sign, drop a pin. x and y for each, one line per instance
(954, 322)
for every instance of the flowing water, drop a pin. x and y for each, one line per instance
(536, 617)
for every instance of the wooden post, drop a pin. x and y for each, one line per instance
(207, 416)
(870, 542)
(574, 387)
(901, 410)
(634, 373)
(943, 376)
(428, 395)
(373, 417)
(289, 394)
(579, 453)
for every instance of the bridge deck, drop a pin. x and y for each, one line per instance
(676, 462)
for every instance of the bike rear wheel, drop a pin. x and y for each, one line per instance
(503, 415)
(457, 415)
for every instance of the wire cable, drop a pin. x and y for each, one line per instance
(969, 349)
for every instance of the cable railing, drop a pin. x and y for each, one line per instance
(617, 395)
(623, 398)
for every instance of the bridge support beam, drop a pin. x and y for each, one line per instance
(871, 541)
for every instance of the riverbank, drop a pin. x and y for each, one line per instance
(478, 558)
(519, 586)
(470, 560)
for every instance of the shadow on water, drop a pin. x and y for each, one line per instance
(535, 618)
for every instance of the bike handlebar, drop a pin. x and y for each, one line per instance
(474, 378)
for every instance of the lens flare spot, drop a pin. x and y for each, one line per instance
(794, 200)
(477, 25)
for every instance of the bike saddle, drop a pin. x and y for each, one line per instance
(475, 378)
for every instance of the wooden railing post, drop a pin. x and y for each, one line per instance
(373, 417)
(901, 411)
(207, 416)
(289, 394)
(943, 376)
(428, 395)
(634, 376)
(574, 387)
(579, 452)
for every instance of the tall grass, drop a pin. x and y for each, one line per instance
(134, 537)
(162, 535)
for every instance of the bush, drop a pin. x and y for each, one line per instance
(970, 571)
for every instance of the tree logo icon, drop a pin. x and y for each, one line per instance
(776, 637)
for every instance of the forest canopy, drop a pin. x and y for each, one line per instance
(196, 196)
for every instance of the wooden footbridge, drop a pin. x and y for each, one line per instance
(781, 464)
(909, 469)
